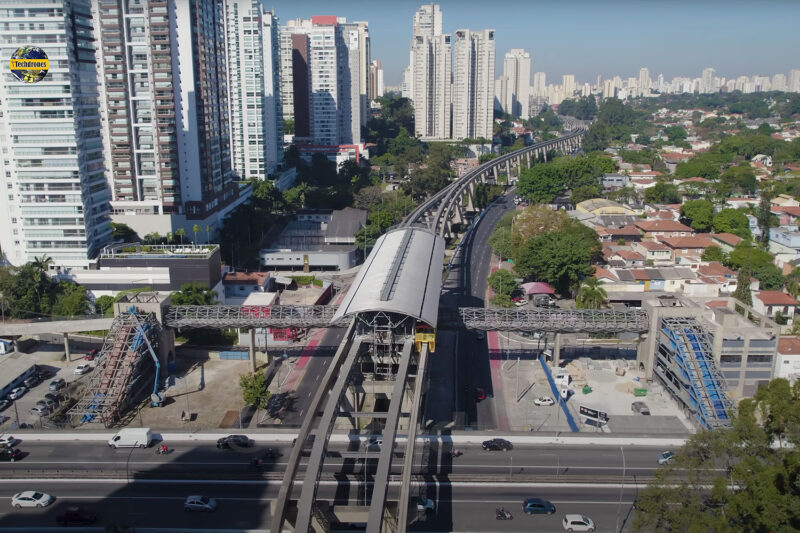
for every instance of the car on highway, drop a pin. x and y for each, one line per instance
(6, 441)
(665, 457)
(480, 394)
(17, 393)
(425, 504)
(10, 454)
(544, 400)
(82, 368)
(200, 503)
(57, 384)
(4, 404)
(31, 498)
(538, 506)
(240, 441)
(480, 335)
(90, 355)
(577, 522)
(497, 444)
(76, 516)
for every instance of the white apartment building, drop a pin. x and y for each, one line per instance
(539, 87)
(375, 79)
(708, 80)
(473, 84)
(256, 123)
(794, 81)
(517, 70)
(55, 196)
(429, 81)
(428, 21)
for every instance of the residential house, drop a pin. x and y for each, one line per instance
(737, 203)
(237, 286)
(787, 365)
(773, 303)
(726, 241)
(623, 257)
(644, 174)
(661, 229)
(787, 215)
(614, 181)
(784, 245)
(688, 249)
(625, 233)
(784, 200)
(601, 206)
(655, 253)
(642, 184)
(717, 273)
(671, 160)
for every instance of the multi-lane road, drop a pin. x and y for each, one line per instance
(148, 490)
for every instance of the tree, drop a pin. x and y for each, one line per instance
(733, 480)
(742, 292)
(194, 293)
(153, 237)
(42, 264)
(502, 282)
(104, 305)
(763, 218)
(180, 232)
(584, 192)
(500, 242)
(591, 295)
(540, 183)
(713, 253)
(502, 300)
(208, 234)
(254, 389)
(793, 283)
(770, 277)
(732, 221)
(197, 228)
(698, 214)
(123, 232)
(744, 252)
(71, 300)
(662, 193)
(561, 258)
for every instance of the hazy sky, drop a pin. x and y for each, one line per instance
(591, 37)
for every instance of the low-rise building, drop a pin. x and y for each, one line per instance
(787, 364)
(615, 181)
(655, 253)
(784, 244)
(726, 241)
(601, 206)
(688, 249)
(777, 305)
(661, 229)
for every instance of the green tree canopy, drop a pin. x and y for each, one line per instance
(732, 221)
(714, 253)
(561, 258)
(254, 389)
(591, 295)
(698, 214)
(194, 293)
(123, 232)
(502, 282)
(662, 193)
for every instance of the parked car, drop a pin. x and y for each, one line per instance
(32, 381)
(544, 400)
(200, 503)
(41, 410)
(82, 368)
(47, 402)
(641, 408)
(17, 393)
(55, 398)
(57, 384)
(497, 444)
(76, 516)
(665, 457)
(538, 506)
(577, 522)
(4, 404)
(6, 441)
(234, 440)
(480, 395)
(90, 355)
(31, 498)
(374, 443)
(10, 454)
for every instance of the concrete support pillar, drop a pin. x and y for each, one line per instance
(471, 196)
(557, 350)
(508, 171)
(494, 173)
(528, 156)
(67, 353)
(253, 348)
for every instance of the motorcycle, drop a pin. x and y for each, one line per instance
(502, 514)
(162, 450)
(272, 453)
(456, 453)
(256, 461)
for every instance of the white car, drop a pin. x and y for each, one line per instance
(31, 498)
(7, 441)
(544, 400)
(665, 457)
(577, 522)
(200, 503)
(17, 393)
(82, 368)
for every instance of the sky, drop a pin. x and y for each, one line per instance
(592, 37)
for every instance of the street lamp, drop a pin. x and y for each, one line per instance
(621, 485)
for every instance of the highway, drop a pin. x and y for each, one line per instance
(246, 505)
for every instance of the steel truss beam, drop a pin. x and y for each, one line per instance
(545, 319)
(251, 316)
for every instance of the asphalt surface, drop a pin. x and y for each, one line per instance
(466, 287)
(458, 506)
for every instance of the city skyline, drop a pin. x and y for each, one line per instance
(674, 39)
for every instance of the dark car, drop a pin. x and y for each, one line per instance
(480, 395)
(56, 398)
(496, 444)
(57, 384)
(76, 516)
(10, 454)
(4, 404)
(538, 506)
(240, 441)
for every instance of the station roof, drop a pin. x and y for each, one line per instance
(402, 274)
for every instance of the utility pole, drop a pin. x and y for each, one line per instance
(621, 485)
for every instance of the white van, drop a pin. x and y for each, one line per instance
(132, 438)
(562, 379)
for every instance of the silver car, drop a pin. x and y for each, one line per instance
(31, 498)
(17, 393)
(200, 503)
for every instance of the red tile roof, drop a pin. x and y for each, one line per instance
(624, 230)
(776, 298)
(630, 255)
(788, 345)
(789, 210)
(653, 246)
(728, 238)
(245, 278)
(600, 272)
(700, 241)
(716, 269)
(662, 225)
